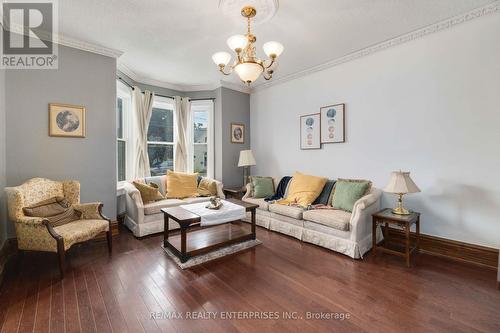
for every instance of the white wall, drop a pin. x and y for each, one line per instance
(431, 106)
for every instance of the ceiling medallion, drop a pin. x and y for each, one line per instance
(247, 65)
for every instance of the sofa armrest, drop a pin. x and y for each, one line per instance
(133, 193)
(248, 193)
(362, 214)
(90, 211)
(220, 189)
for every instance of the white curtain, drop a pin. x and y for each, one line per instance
(183, 119)
(143, 106)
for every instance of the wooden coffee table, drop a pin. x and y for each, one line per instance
(188, 220)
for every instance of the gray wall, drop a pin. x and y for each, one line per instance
(235, 108)
(83, 78)
(3, 215)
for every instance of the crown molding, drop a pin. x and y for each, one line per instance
(179, 87)
(72, 42)
(414, 35)
(86, 46)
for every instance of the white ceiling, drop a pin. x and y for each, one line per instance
(172, 40)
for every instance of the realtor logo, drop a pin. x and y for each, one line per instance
(28, 29)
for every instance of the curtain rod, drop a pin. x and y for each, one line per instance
(171, 97)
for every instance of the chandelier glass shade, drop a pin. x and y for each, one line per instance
(246, 64)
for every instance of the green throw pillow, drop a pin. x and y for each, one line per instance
(262, 187)
(347, 193)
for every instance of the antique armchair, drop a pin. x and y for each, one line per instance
(37, 234)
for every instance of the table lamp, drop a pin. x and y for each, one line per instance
(401, 184)
(246, 161)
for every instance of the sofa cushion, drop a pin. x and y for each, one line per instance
(304, 189)
(149, 193)
(347, 192)
(181, 185)
(264, 205)
(290, 211)
(155, 207)
(207, 187)
(159, 181)
(263, 187)
(80, 231)
(333, 218)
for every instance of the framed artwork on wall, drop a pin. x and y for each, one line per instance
(66, 120)
(237, 133)
(333, 123)
(310, 131)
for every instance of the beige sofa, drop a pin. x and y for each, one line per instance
(337, 230)
(146, 219)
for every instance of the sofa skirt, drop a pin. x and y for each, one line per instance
(339, 244)
(153, 224)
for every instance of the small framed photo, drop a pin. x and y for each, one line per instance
(237, 133)
(66, 120)
(333, 123)
(310, 131)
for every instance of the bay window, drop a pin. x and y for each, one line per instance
(201, 159)
(123, 110)
(161, 136)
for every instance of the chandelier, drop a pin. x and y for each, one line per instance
(247, 65)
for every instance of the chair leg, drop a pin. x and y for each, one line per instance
(109, 237)
(61, 255)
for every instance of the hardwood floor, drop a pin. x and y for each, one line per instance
(283, 276)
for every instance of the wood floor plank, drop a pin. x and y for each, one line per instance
(43, 306)
(99, 311)
(122, 293)
(71, 317)
(86, 316)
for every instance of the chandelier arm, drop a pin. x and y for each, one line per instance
(221, 69)
(267, 78)
(272, 61)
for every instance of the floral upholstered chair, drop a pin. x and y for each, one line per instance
(37, 234)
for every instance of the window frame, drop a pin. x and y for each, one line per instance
(164, 103)
(124, 93)
(197, 106)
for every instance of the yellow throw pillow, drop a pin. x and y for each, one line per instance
(304, 189)
(207, 187)
(148, 193)
(181, 185)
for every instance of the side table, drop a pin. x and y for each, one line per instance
(234, 193)
(386, 217)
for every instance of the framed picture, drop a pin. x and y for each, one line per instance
(310, 131)
(66, 120)
(237, 133)
(333, 123)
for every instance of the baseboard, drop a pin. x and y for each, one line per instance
(456, 250)
(8, 249)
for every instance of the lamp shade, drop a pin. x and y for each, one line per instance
(401, 183)
(246, 158)
(273, 48)
(237, 42)
(221, 58)
(249, 71)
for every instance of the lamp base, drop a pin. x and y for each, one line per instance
(401, 211)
